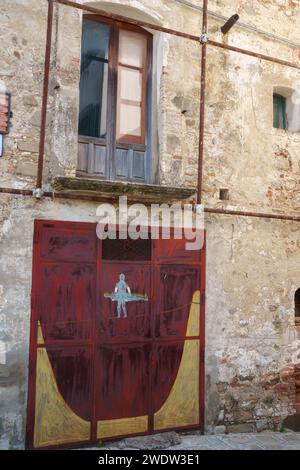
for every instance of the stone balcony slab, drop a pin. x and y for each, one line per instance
(135, 192)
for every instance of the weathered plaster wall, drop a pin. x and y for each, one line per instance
(252, 343)
(252, 264)
(21, 73)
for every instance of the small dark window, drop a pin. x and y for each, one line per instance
(279, 112)
(224, 194)
(297, 307)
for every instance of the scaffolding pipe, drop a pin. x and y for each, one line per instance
(204, 39)
(19, 192)
(202, 102)
(145, 25)
(262, 215)
(241, 25)
(191, 37)
(124, 19)
(94, 198)
(39, 179)
(201, 130)
(253, 54)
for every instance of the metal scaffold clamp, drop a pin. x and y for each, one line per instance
(38, 193)
(204, 38)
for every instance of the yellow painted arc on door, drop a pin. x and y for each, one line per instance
(182, 406)
(56, 423)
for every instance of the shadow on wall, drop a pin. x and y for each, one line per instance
(292, 422)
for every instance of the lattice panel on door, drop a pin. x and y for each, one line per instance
(126, 250)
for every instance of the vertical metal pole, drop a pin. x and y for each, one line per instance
(202, 103)
(39, 180)
(199, 200)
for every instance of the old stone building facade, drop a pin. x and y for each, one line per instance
(252, 345)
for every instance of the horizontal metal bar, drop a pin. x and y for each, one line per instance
(175, 33)
(20, 192)
(93, 198)
(241, 25)
(211, 210)
(253, 54)
(124, 19)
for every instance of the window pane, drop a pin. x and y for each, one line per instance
(131, 107)
(279, 112)
(130, 84)
(129, 121)
(132, 48)
(93, 79)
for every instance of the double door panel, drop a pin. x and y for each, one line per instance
(102, 367)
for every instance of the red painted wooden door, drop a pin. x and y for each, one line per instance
(95, 374)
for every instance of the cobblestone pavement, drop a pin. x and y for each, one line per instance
(194, 441)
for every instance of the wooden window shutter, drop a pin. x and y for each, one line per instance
(4, 112)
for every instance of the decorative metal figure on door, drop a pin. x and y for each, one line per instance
(122, 294)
